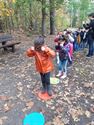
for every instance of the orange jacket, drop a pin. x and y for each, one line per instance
(42, 59)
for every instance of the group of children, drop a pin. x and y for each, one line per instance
(43, 58)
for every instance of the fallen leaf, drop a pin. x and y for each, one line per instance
(7, 107)
(2, 119)
(4, 98)
(28, 86)
(88, 85)
(20, 88)
(57, 121)
(24, 110)
(88, 114)
(19, 84)
(29, 104)
(76, 113)
(82, 94)
(92, 109)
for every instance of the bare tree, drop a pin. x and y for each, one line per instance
(52, 16)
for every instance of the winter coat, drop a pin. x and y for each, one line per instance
(42, 59)
(63, 53)
(66, 51)
(90, 28)
(70, 49)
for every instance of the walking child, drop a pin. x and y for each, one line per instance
(43, 60)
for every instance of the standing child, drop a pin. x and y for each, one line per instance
(63, 57)
(44, 66)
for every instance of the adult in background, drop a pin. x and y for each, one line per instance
(90, 34)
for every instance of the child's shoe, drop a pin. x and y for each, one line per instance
(59, 74)
(63, 76)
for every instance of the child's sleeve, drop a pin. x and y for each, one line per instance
(50, 52)
(30, 53)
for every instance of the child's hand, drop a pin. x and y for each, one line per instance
(43, 48)
(32, 48)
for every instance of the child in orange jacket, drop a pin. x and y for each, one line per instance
(44, 65)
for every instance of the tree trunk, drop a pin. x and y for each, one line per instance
(43, 17)
(74, 20)
(31, 25)
(1, 26)
(16, 19)
(10, 17)
(35, 25)
(52, 17)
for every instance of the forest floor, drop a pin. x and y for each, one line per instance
(73, 100)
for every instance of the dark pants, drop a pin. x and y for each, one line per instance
(85, 44)
(45, 78)
(90, 43)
